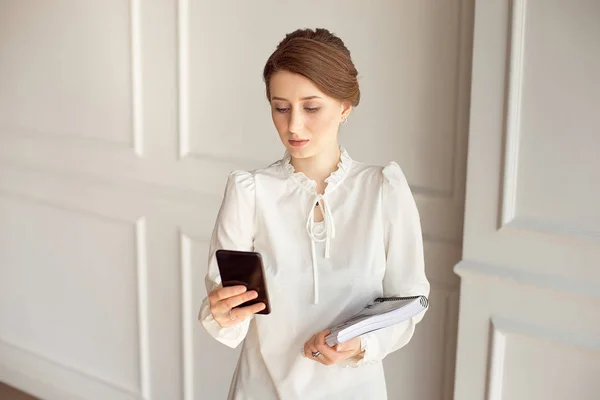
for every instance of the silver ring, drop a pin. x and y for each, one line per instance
(316, 354)
(231, 317)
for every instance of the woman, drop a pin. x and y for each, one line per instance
(334, 234)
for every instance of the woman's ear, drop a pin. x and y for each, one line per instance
(346, 110)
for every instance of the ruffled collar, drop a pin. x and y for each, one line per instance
(332, 181)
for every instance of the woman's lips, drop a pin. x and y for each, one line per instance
(298, 143)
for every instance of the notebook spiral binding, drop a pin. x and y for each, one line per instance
(423, 300)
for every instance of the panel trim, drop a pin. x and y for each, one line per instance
(447, 334)
(549, 228)
(512, 121)
(183, 85)
(187, 310)
(142, 288)
(501, 327)
(15, 197)
(33, 386)
(451, 338)
(462, 98)
(136, 91)
(143, 323)
(41, 368)
(514, 88)
(561, 284)
(497, 352)
(136, 77)
(25, 133)
(511, 326)
(183, 75)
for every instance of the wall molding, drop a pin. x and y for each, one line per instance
(512, 123)
(14, 196)
(462, 97)
(183, 76)
(187, 310)
(512, 136)
(137, 142)
(549, 228)
(136, 77)
(142, 295)
(555, 283)
(26, 133)
(143, 308)
(512, 326)
(497, 351)
(501, 328)
(36, 370)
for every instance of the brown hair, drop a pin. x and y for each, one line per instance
(319, 56)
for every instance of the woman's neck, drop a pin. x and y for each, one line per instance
(318, 167)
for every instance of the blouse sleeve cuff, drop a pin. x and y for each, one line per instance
(230, 337)
(366, 355)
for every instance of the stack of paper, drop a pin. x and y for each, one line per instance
(380, 313)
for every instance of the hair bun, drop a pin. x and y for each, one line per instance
(320, 56)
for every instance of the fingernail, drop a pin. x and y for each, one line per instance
(338, 348)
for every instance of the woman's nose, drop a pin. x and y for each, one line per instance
(296, 121)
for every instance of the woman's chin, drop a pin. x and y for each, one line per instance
(299, 152)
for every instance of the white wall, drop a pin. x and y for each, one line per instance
(530, 289)
(119, 122)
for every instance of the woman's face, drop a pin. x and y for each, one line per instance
(306, 118)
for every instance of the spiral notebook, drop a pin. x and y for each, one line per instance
(378, 314)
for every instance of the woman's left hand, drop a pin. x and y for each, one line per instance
(330, 355)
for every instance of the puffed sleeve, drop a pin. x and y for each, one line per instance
(405, 269)
(233, 230)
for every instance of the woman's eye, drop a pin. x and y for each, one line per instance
(282, 110)
(312, 109)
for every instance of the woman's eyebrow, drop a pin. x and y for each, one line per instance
(303, 98)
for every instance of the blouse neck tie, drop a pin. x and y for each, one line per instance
(325, 234)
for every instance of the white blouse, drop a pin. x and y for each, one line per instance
(369, 244)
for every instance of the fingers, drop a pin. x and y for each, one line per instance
(237, 315)
(317, 344)
(352, 346)
(310, 348)
(227, 304)
(328, 355)
(223, 293)
(228, 319)
(225, 299)
(244, 312)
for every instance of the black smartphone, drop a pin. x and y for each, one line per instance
(244, 268)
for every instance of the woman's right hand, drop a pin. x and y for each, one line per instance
(222, 301)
